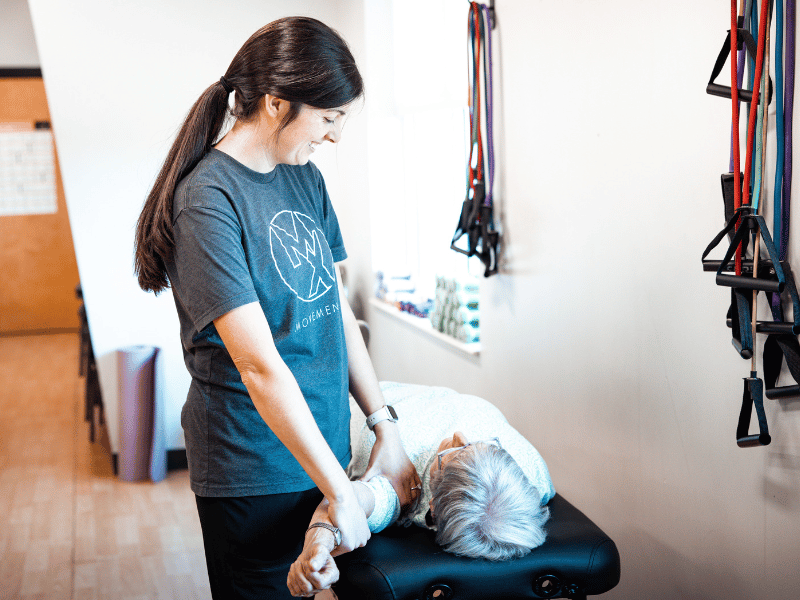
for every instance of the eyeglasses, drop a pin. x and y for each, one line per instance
(493, 441)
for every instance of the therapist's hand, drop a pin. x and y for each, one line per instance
(389, 459)
(346, 514)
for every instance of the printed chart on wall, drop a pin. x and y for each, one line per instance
(27, 169)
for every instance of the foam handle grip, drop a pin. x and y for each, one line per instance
(776, 327)
(750, 283)
(724, 91)
(779, 393)
(751, 441)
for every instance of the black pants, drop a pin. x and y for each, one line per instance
(251, 542)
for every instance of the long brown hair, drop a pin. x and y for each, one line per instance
(298, 59)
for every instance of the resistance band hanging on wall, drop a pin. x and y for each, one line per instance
(744, 224)
(476, 221)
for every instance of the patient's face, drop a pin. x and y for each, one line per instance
(457, 440)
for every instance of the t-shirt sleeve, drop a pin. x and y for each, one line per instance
(212, 273)
(330, 222)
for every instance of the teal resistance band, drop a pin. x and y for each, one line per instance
(779, 136)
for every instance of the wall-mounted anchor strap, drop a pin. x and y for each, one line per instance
(752, 396)
(724, 91)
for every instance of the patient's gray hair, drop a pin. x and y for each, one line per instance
(485, 507)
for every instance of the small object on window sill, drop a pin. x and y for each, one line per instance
(456, 311)
(419, 307)
(471, 350)
(392, 287)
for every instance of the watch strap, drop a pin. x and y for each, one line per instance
(337, 535)
(385, 413)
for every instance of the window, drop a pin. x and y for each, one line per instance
(417, 88)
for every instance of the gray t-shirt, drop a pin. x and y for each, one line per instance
(241, 237)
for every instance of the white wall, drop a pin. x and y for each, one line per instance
(120, 77)
(17, 42)
(603, 340)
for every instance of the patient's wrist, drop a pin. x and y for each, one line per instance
(321, 535)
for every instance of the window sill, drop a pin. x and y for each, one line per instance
(471, 350)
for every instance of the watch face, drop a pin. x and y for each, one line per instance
(391, 412)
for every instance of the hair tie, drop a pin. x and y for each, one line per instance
(228, 87)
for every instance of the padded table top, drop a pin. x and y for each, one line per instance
(406, 564)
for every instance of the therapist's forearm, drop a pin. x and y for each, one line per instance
(363, 382)
(279, 401)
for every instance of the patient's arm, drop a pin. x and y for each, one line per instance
(315, 570)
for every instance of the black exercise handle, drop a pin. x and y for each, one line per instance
(750, 283)
(725, 91)
(745, 353)
(752, 397)
(752, 441)
(764, 266)
(750, 222)
(777, 327)
(778, 347)
(781, 393)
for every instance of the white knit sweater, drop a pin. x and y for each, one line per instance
(426, 416)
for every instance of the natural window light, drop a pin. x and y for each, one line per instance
(419, 134)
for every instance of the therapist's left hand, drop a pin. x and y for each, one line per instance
(389, 459)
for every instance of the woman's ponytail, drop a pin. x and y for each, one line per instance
(154, 239)
(298, 59)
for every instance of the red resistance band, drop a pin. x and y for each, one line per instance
(741, 192)
(475, 99)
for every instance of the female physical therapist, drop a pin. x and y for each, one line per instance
(242, 229)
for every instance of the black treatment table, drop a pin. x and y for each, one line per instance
(576, 560)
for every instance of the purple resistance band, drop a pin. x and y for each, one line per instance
(739, 78)
(787, 119)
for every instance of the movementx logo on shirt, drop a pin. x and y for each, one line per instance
(304, 261)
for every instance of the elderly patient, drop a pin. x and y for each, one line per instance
(486, 486)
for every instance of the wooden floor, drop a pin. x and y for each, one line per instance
(68, 528)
